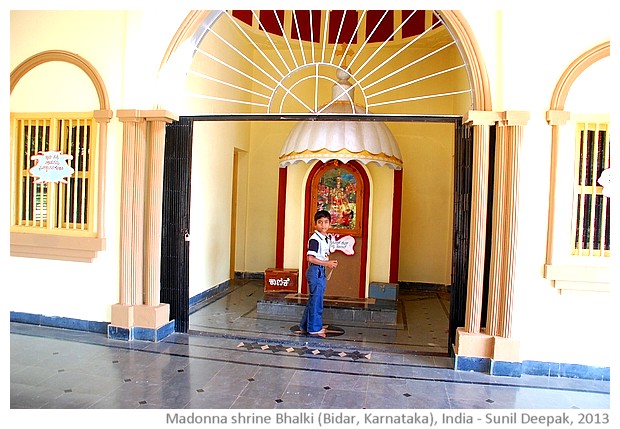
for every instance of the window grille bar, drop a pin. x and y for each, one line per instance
(581, 199)
(38, 188)
(50, 191)
(67, 187)
(62, 188)
(602, 201)
(74, 182)
(593, 175)
(24, 189)
(85, 172)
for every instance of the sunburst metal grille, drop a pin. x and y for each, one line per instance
(402, 62)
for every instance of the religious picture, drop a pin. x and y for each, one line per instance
(337, 193)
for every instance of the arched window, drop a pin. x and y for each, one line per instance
(578, 242)
(57, 168)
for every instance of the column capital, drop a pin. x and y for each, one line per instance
(129, 115)
(514, 117)
(481, 117)
(160, 115)
(557, 117)
(103, 115)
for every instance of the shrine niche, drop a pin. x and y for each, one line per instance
(341, 189)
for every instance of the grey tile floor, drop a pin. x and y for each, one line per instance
(232, 359)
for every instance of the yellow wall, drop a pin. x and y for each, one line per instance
(426, 222)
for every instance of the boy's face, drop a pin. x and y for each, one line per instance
(322, 225)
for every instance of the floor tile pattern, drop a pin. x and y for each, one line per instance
(260, 364)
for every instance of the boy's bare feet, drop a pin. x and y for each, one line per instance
(320, 333)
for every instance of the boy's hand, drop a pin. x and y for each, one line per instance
(333, 263)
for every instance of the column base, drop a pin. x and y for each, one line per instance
(473, 344)
(140, 322)
(480, 352)
(122, 315)
(147, 316)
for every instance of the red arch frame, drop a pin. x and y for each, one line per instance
(316, 169)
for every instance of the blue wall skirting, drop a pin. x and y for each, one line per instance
(60, 322)
(140, 333)
(530, 367)
(203, 296)
(114, 332)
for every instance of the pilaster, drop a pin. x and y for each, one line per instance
(140, 314)
(481, 122)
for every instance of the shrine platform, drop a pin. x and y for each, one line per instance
(366, 311)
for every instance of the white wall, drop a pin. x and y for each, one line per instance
(569, 327)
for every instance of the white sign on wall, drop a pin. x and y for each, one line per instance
(344, 244)
(51, 166)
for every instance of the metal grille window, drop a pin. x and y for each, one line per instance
(66, 205)
(591, 228)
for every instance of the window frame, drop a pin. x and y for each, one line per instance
(567, 269)
(43, 240)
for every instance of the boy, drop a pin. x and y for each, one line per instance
(318, 258)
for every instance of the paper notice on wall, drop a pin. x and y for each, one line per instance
(343, 244)
(51, 166)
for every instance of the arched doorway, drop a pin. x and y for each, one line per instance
(344, 191)
(301, 95)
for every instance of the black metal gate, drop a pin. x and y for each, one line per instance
(175, 222)
(463, 155)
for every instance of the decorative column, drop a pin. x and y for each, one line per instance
(140, 239)
(515, 122)
(469, 340)
(510, 137)
(130, 281)
(153, 314)
(497, 276)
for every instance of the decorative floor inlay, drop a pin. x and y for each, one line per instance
(328, 353)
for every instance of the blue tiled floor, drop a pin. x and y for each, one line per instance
(234, 360)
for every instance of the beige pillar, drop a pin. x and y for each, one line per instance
(153, 314)
(132, 213)
(497, 276)
(481, 122)
(510, 137)
(515, 122)
(144, 133)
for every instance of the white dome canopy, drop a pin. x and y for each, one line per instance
(364, 141)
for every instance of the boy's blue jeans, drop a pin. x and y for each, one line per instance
(312, 319)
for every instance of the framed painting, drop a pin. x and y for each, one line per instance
(338, 189)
